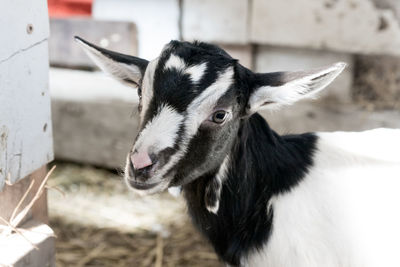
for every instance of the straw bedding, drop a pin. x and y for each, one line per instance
(98, 222)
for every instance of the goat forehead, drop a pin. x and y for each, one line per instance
(178, 81)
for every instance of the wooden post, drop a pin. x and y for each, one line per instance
(26, 144)
(12, 194)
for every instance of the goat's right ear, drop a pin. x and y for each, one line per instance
(124, 68)
(272, 90)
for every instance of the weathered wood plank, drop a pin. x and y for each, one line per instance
(22, 24)
(11, 195)
(40, 210)
(25, 120)
(157, 21)
(222, 21)
(114, 35)
(352, 26)
(92, 117)
(317, 115)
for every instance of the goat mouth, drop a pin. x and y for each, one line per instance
(142, 186)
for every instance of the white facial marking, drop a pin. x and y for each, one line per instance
(220, 177)
(175, 62)
(201, 106)
(198, 111)
(160, 132)
(196, 72)
(147, 86)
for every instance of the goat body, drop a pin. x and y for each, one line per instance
(309, 200)
(323, 199)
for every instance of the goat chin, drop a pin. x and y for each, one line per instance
(162, 186)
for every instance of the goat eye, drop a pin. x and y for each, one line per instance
(219, 116)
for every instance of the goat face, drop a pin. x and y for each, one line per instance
(189, 105)
(192, 99)
(187, 111)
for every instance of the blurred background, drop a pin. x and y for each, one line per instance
(98, 222)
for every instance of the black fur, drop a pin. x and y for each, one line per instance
(263, 164)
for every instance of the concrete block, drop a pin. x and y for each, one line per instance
(157, 21)
(271, 59)
(356, 26)
(93, 117)
(244, 53)
(222, 21)
(377, 81)
(18, 252)
(316, 116)
(114, 35)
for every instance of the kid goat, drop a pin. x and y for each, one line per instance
(261, 199)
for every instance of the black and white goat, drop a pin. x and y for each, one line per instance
(314, 199)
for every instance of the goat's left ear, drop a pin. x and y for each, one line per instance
(124, 68)
(272, 90)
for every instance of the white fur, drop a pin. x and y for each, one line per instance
(346, 212)
(161, 132)
(302, 87)
(175, 62)
(147, 86)
(196, 72)
(175, 191)
(220, 177)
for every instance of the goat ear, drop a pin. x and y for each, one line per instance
(126, 69)
(273, 90)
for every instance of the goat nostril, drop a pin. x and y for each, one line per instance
(140, 160)
(143, 173)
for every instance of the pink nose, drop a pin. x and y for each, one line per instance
(140, 160)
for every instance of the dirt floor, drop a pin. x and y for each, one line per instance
(99, 222)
